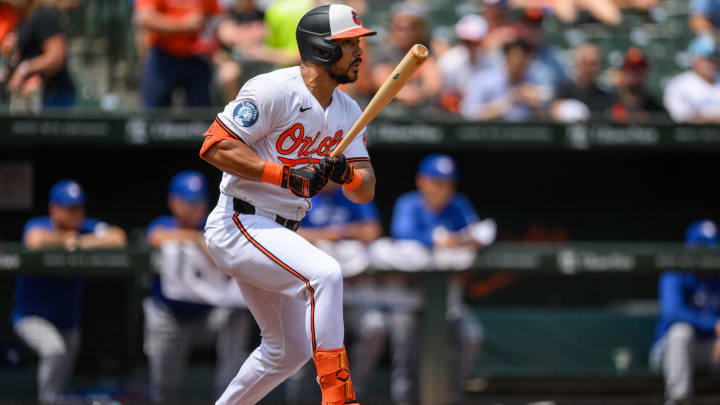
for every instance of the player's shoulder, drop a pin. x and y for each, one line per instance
(460, 199)
(276, 80)
(163, 221)
(89, 224)
(41, 222)
(347, 102)
(409, 200)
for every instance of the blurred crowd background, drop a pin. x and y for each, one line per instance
(178, 334)
(629, 61)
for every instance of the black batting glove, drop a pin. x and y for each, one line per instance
(304, 182)
(338, 169)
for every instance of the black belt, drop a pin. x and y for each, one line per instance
(246, 208)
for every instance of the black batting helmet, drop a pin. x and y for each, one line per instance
(319, 26)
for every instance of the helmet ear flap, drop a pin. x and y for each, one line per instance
(311, 46)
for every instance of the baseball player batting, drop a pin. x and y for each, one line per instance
(273, 144)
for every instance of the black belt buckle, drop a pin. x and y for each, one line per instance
(246, 208)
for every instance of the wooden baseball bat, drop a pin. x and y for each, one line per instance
(406, 68)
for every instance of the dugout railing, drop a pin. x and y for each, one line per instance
(567, 261)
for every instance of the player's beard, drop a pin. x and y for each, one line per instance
(343, 76)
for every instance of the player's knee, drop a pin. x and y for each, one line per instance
(329, 274)
(681, 333)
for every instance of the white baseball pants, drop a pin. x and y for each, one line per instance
(293, 289)
(57, 350)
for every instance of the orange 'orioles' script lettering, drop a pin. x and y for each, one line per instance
(291, 139)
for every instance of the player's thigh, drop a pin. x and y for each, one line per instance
(257, 251)
(159, 79)
(197, 82)
(41, 335)
(281, 319)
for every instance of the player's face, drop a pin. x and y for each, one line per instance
(67, 218)
(436, 192)
(190, 214)
(346, 69)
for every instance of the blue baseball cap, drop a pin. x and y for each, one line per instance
(438, 166)
(702, 232)
(704, 46)
(67, 193)
(189, 185)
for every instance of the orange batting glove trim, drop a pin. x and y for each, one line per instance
(272, 173)
(355, 182)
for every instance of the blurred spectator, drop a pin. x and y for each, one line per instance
(576, 100)
(634, 104)
(175, 58)
(408, 26)
(500, 29)
(281, 19)
(505, 90)
(546, 68)
(462, 61)
(704, 16)
(241, 34)
(334, 218)
(48, 309)
(694, 96)
(605, 11)
(438, 217)
(687, 336)
(38, 74)
(173, 327)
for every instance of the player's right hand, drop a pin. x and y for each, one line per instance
(304, 182)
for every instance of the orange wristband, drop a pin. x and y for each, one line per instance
(355, 182)
(272, 173)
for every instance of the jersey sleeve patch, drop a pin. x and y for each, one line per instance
(245, 114)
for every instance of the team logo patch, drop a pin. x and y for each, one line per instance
(355, 17)
(246, 113)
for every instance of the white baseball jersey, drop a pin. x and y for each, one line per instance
(688, 96)
(277, 117)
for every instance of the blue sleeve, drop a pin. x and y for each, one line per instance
(164, 221)
(37, 222)
(367, 212)
(89, 225)
(701, 6)
(467, 209)
(404, 222)
(674, 307)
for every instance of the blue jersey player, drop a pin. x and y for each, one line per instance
(174, 327)
(48, 309)
(437, 216)
(687, 335)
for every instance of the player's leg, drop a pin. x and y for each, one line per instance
(370, 332)
(233, 339)
(678, 362)
(467, 335)
(166, 346)
(404, 342)
(197, 82)
(284, 347)
(57, 352)
(159, 79)
(257, 251)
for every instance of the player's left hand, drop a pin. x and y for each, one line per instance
(306, 181)
(337, 169)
